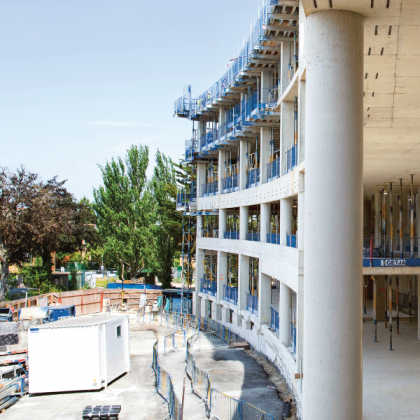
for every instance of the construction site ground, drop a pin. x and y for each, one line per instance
(234, 372)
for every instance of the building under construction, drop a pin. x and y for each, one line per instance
(305, 194)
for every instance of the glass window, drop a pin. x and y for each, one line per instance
(118, 331)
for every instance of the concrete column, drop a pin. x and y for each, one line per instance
(243, 222)
(265, 153)
(333, 380)
(222, 222)
(264, 298)
(221, 274)
(199, 226)
(265, 221)
(199, 133)
(242, 165)
(222, 120)
(299, 323)
(201, 178)
(266, 84)
(205, 308)
(286, 55)
(301, 119)
(287, 133)
(301, 212)
(285, 314)
(221, 169)
(243, 281)
(286, 212)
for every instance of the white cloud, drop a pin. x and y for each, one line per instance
(118, 124)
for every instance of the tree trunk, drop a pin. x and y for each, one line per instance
(47, 264)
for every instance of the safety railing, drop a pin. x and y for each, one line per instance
(209, 287)
(387, 249)
(174, 341)
(291, 158)
(273, 170)
(230, 184)
(252, 303)
(231, 234)
(230, 294)
(274, 324)
(165, 387)
(268, 99)
(273, 238)
(209, 188)
(218, 405)
(252, 104)
(291, 240)
(209, 233)
(191, 147)
(253, 178)
(253, 236)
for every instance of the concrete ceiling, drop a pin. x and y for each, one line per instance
(391, 85)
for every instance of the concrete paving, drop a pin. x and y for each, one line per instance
(133, 391)
(391, 379)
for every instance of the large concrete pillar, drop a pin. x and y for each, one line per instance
(222, 121)
(266, 85)
(264, 298)
(286, 57)
(286, 212)
(265, 138)
(242, 164)
(332, 364)
(243, 222)
(285, 314)
(265, 221)
(199, 268)
(243, 281)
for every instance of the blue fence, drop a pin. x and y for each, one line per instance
(253, 178)
(253, 236)
(252, 303)
(291, 157)
(230, 294)
(231, 234)
(293, 337)
(274, 321)
(230, 184)
(292, 241)
(209, 287)
(273, 238)
(210, 188)
(273, 170)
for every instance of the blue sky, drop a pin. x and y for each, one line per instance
(82, 80)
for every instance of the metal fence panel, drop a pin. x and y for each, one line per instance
(224, 407)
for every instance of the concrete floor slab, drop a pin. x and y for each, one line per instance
(391, 379)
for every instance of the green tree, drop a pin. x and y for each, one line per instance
(123, 206)
(169, 221)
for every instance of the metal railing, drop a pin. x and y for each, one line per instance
(386, 249)
(293, 337)
(268, 99)
(291, 241)
(274, 324)
(209, 188)
(209, 287)
(231, 234)
(273, 170)
(273, 238)
(291, 158)
(230, 184)
(252, 303)
(174, 341)
(209, 233)
(253, 178)
(253, 236)
(230, 294)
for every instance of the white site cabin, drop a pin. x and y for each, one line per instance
(77, 354)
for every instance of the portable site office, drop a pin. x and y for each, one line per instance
(77, 354)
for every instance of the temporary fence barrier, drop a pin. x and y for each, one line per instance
(174, 341)
(165, 388)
